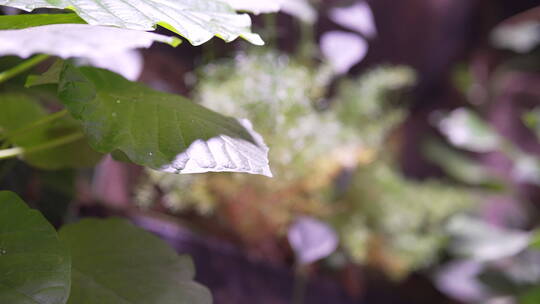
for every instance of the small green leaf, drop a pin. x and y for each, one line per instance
(34, 264)
(465, 129)
(521, 37)
(14, 22)
(51, 76)
(481, 241)
(163, 131)
(532, 120)
(459, 166)
(535, 239)
(532, 296)
(115, 262)
(20, 111)
(196, 20)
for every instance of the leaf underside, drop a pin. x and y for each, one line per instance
(76, 40)
(196, 20)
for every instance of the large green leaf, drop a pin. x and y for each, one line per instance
(76, 40)
(196, 20)
(34, 264)
(114, 262)
(163, 131)
(19, 111)
(14, 22)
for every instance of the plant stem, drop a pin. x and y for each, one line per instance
(300, 282)
(307, 46)
(22, 67)
(270, 24)
(18, 151)
(9, 153)
(45, 120)
(55, 143)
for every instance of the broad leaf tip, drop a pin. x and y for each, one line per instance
(224, 153)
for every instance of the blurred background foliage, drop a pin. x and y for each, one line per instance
(332, 159)
(420, 149)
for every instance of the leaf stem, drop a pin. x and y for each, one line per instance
(306, 47)
(22, 67)
(270, 24)
(12, 152)
(55, 143)
(45, 120)
(19, 151)
(300, 284)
